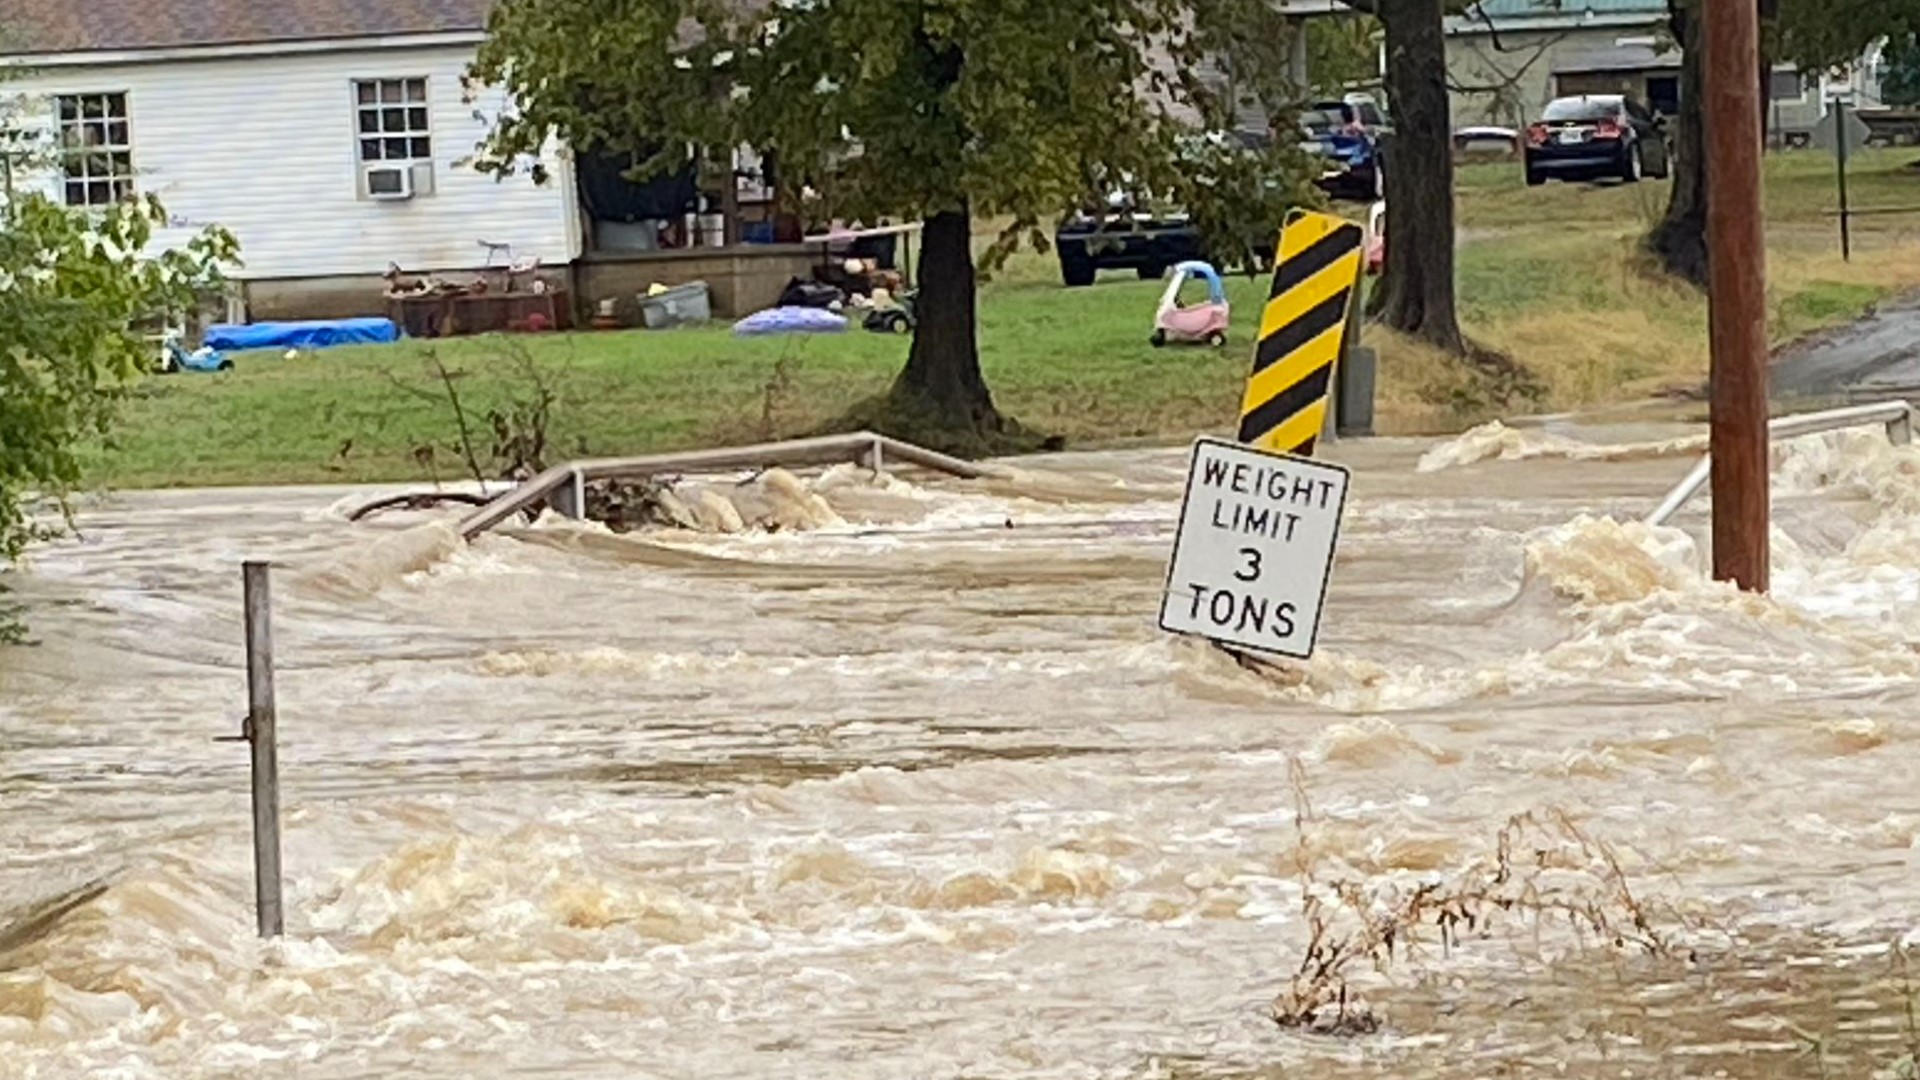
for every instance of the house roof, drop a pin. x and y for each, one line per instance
(40, 27)
(1572, 8)
(1557, 15)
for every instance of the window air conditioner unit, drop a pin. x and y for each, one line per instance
(390, 183)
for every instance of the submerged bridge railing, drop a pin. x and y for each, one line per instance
(564, 486)
(1895, 416)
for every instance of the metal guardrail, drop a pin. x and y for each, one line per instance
(564, 486)
(1896, 416)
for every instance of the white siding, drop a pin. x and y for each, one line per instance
(266, 146)
(1249, 114)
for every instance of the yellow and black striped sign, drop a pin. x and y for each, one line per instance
(1314, 275)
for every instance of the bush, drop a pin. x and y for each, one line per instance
(76, 288)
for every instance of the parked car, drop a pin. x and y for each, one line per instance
(1596, 136)
(1345, 136)
(1487, 141)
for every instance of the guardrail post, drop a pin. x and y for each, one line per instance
(570, 499)
(875, 460)
(1900, 429)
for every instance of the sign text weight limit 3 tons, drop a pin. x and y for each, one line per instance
(1254, 548)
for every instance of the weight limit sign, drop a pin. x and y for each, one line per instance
(1254, 550)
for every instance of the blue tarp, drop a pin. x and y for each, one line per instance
(301, 335)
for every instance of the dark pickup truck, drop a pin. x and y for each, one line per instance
(1139, 242)
(1122, 235)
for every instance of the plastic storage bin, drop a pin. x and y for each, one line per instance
(687, 303)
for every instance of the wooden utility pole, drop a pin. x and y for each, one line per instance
(1737, 293)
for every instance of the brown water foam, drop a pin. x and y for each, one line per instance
(922, 794)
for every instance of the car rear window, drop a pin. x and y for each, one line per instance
(1320, 121)
(1581, 109)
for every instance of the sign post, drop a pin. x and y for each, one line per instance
(1840, 170)
(1847, 134)
(1254, 548)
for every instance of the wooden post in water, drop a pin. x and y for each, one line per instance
(1737, 293)
(262, 740)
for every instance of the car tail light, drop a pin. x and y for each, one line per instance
(1609, 129)
(1537, 135)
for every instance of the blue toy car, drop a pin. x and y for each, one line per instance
(175, 357)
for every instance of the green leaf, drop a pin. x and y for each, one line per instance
(900, 110)
(78, 290)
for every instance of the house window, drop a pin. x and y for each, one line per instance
(392, 122)
(1788, 86)
(96, 148)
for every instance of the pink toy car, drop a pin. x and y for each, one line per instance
(1203, 322)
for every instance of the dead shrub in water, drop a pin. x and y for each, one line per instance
(507, 439)
(521, 422)
(1544, 870)
(788, 404)
(1908, 1065)
(1820, 1044)
(776, 396)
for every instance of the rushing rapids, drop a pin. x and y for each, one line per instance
(912, 787)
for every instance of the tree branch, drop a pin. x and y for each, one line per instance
(460, 416)
(1509, 81)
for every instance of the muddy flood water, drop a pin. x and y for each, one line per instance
(914, 788)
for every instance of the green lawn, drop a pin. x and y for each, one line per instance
(1072, 362)
(1548, 275)
(1553, 277)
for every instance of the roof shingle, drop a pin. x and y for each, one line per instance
(37, 27)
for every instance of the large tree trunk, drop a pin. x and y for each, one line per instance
(942, 380)
(1679, 241)
(1417, 295)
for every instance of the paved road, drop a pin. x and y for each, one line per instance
(1876, 357)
